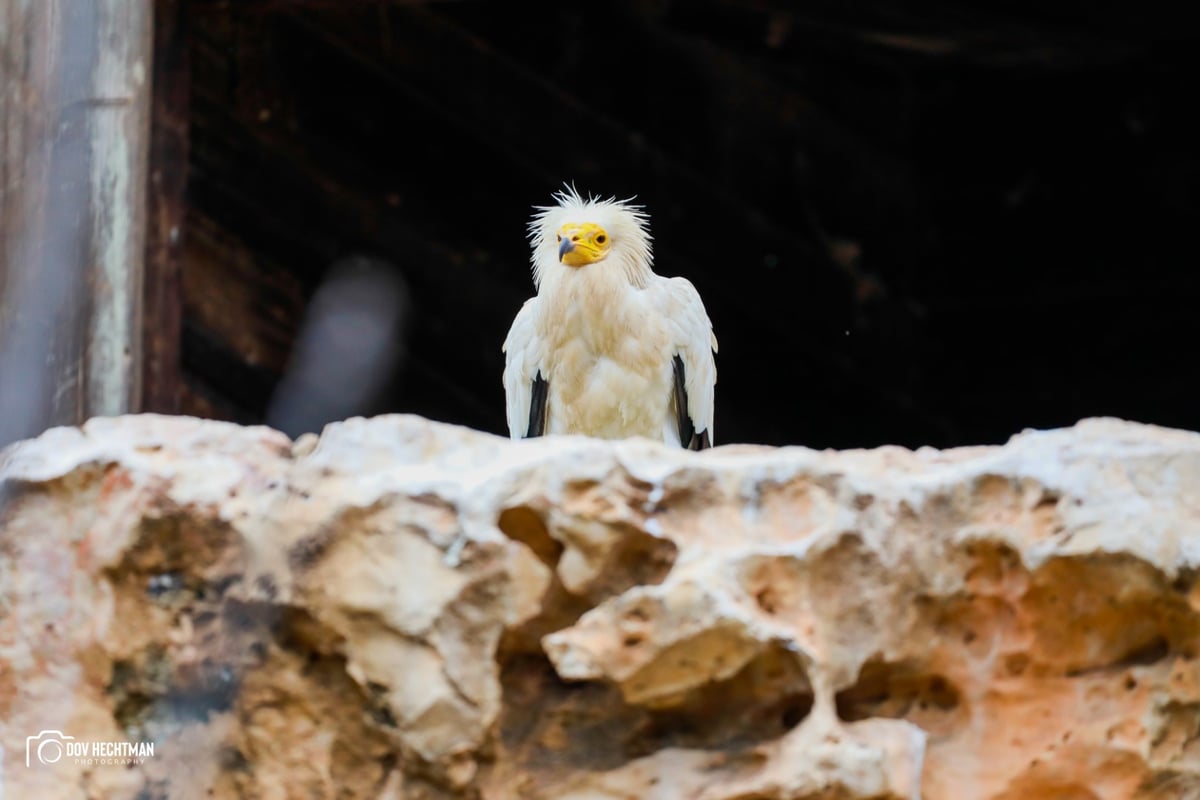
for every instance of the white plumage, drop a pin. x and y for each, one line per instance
(612, 349)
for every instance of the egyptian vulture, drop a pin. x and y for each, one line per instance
(607, 348)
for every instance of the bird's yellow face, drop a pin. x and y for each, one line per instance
(582, 244)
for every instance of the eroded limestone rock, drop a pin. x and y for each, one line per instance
(410, 610)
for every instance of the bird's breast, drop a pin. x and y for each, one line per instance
(610, 374)
(597, 395)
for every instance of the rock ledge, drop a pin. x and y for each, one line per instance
(404, 609)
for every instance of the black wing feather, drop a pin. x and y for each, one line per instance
(537, 407)
(687, 426)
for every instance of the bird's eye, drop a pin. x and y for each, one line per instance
(601, 239)
(558, 238)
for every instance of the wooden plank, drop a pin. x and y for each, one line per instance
(310, 221)
(73, 134)
(199, 398)
(998, 36)
(119, 142)
(163, 320)
(245, 300)
(291, 198)
(208, 360)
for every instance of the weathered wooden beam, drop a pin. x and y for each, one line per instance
(313, 213)
(245, 299)
(994, 36)
(162, 375)
(73, 133)
(293, 200)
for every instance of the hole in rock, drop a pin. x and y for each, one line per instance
(150, 693)
(1152, 651)
(1104, 612)
(378, 708)
(559, 609)
(304, 554)
(546, 722)
(168, 550)
(1048, 501)
(1186, 579)
(1015, 664)
(1031, 786)
(767, 600)
(773, 582)
(900, 690)
(992, 564)
(523, 524)
(639, 559)
(767, 697)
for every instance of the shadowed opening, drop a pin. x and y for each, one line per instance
(523, 524)
(900, 690)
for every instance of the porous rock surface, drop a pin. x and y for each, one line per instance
(405, 609)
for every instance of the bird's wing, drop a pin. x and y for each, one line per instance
(695, 369)
(525, 385)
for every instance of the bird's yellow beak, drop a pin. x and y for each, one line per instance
(580, 245)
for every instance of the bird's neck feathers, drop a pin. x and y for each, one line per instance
(616, 271)
(631, 256)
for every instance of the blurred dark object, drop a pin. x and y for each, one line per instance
(348, 350)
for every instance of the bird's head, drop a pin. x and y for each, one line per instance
(579, 233)
(582, 243)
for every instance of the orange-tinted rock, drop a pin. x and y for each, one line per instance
(410, 610)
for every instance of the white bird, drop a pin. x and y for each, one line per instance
(607, 348)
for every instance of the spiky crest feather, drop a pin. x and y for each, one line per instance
(627, 224)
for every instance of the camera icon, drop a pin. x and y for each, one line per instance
(47, 747)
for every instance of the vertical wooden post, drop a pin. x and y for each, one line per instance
(74, 114)
(170, 101)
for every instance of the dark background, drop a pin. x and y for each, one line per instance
(919, 223)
